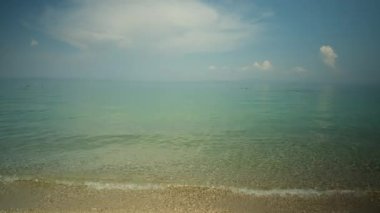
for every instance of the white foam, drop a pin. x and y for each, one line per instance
(294, 192)
(11, 179)
(123, 186)
(150, 186)
(8, 179)
(66, 183)
(245, 191)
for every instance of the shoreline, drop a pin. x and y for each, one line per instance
(40, 196)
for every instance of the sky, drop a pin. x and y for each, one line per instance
(191, 40)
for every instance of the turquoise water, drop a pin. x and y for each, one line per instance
(248, 135)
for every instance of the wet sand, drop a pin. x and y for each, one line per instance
(37, 196)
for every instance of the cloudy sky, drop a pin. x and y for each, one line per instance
(190, 40)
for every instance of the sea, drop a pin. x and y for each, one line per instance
(258, 138)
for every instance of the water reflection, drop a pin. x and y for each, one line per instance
(325, 107)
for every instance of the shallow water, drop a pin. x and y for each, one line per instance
(257, 136)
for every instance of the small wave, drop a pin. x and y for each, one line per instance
(123, 186)
(296, 192)
(150, 186)
(11, 179)
(245, 191)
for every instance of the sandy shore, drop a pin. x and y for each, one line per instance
(36, 196)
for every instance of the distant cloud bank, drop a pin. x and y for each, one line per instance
(257, 66)
(265, 65)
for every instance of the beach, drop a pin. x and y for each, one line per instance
(39, 196)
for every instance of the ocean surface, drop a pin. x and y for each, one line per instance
(263, 137)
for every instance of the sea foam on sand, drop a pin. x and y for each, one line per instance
(35, 195)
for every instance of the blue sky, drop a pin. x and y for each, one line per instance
(176, 40)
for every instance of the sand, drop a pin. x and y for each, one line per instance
(37, 196)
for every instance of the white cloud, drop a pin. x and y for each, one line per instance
(33, 42)
(220, 68)
(212, 67)
(265, 65)
(299, 69)
(329, 56)
(164, 25)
